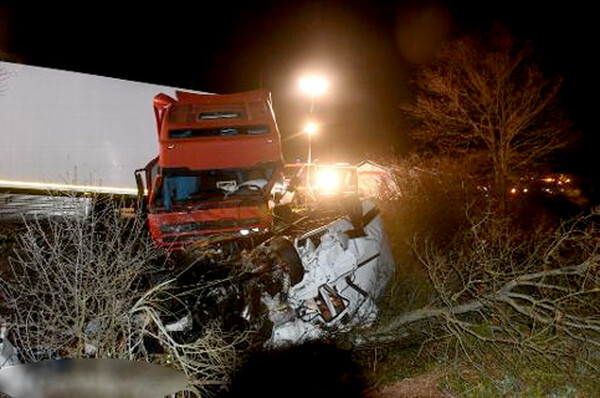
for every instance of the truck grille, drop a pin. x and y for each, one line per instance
(207, 225)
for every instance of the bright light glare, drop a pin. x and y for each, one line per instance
(66, 187)
(313, 85)
(311, 128)
(327, 181)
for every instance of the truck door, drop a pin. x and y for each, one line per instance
(146, 183)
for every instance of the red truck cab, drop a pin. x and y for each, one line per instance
(219, 157)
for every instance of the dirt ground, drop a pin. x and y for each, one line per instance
(424, 386)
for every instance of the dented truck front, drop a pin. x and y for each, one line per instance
(219, 158)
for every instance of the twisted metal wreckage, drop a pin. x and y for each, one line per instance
(345, 267)
(324, 282)
(319, 283)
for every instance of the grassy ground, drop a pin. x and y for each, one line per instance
(522, 377)
(415, 371)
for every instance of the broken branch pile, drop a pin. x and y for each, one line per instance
(531, 292)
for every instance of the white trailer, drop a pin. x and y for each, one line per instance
(72, 133)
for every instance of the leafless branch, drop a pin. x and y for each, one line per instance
(533, 293)
(76, 288)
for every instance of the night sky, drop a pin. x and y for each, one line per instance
(367, 49)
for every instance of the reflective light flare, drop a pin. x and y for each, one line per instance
(327, 181)
(313, 85)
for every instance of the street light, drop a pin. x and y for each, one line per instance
(313, 85)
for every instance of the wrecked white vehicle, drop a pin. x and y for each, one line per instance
(346, 266)
(292, 290)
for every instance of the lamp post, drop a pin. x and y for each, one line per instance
(313, 85)
(310, 128)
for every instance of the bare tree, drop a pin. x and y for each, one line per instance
(487, 93)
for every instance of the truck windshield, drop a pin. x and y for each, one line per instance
(183, 188)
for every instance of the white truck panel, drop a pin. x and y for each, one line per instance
(74, 130)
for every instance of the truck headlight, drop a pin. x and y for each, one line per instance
(327, 181)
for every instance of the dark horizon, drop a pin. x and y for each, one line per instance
(222, 48)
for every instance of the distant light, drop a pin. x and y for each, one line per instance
(313, 85)
(327, 181)
(525, 190)
(513, 191)
(255, 229)
(244, 232)
(311, 128)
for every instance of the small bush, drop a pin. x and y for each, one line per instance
(80, 287)
(436, 196)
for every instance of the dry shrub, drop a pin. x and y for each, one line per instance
(473, 283)
(9, 233)
(506, 300)
(79, 287)
(435, 196)
(521, 294)
(439, 199)
(71, 282)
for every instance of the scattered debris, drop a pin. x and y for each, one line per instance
(294, 289)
